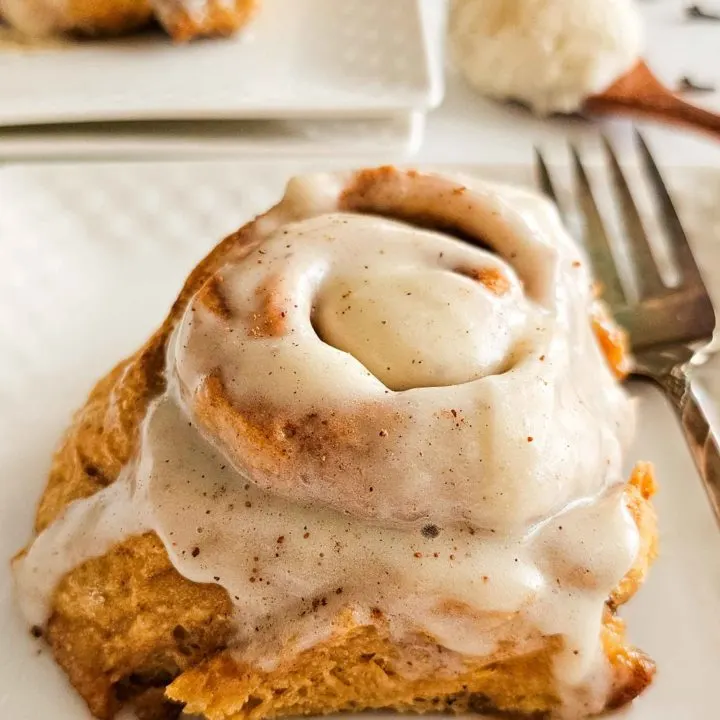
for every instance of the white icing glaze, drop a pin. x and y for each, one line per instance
(479, 502)
(366, 315)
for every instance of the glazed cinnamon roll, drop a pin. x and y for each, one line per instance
(372, 459)
(182, 19)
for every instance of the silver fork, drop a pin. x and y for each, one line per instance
(668, 326)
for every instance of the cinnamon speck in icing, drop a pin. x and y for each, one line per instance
(364, 416)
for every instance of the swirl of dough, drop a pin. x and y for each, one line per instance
(404, 347)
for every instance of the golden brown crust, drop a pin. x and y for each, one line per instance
(361, 668)
(217, 19)
(632, 670)
(613, 340)
(114, 17)
(127, 622)
(638, 494)
(107, 17)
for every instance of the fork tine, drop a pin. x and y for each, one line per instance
(596, 238)
(678, 239)
(647, 278)
(544, 179)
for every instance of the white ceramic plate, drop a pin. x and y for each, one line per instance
(392, 138)
(90, 259)
(296, 59)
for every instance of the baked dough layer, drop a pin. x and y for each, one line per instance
(128, 622)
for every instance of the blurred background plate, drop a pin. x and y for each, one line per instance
(315, 58)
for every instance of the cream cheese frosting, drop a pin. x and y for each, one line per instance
(549, 54)
(370, 417)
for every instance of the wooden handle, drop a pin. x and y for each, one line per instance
(640, 94)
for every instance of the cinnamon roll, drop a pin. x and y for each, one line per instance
(182, 19)
(372, 459)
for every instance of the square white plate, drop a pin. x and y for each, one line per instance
(295, 59)
(90, 260)
(390, 138)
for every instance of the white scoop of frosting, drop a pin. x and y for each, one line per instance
(364, 414)
(550, 54)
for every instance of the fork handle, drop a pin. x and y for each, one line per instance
(672, 372)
